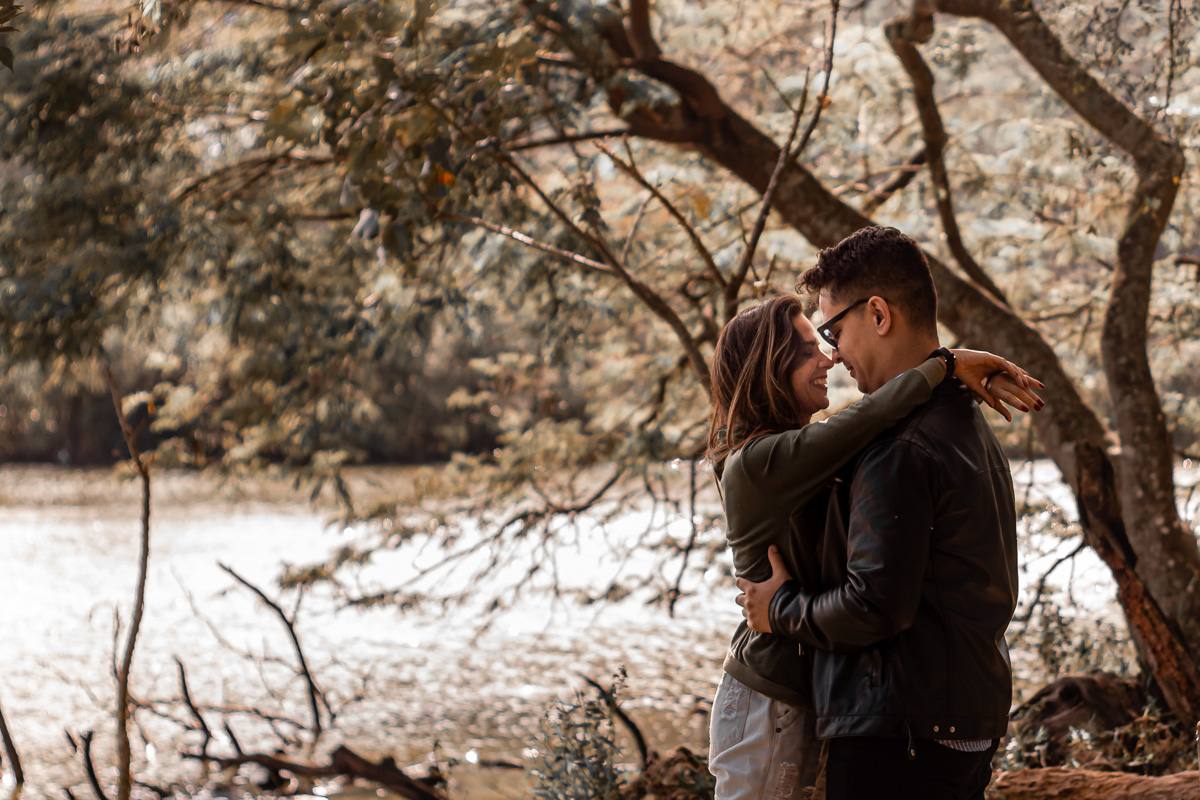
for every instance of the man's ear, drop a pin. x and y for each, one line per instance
(880, 315)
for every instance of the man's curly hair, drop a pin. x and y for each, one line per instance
(877, 261)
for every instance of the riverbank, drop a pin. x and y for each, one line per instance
(452, 684)
(405, 685)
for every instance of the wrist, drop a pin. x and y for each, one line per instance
(947, 355)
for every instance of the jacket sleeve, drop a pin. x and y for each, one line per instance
(888, 543)
(791, 467)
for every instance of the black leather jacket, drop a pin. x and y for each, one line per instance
(919, 577)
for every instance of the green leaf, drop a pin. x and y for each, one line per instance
(6, 57)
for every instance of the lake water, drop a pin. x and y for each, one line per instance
(410, 685)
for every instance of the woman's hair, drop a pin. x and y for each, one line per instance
(752, 368)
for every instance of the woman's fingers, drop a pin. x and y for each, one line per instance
(1003, 389)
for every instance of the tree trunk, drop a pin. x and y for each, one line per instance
(1152, 555)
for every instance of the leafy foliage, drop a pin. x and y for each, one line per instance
(381, 231)
(579, 753)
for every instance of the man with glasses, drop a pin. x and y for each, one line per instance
(912, 681)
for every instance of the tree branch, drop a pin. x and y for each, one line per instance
(525, 239)
(631, 169)
(187, 699)
(637, 24)
(10, 750)
(124, 754)
(570, 138)
(313, 691)
(343, 761)
(651, 299)
(877, 197)
(935, 143)
(90, 768)
(1146, 484)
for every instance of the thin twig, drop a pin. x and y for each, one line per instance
(1036, 601)
(187, 699)
(904, 176)
(786, 156)
(527, 240)
(124, 754)
(10, 749)
(630, 168)
(569, 138)
(90, 768)
(637, 221)
(687, 551)
(638, 739)
(313, 691)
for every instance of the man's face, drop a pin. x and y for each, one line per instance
(855, 339)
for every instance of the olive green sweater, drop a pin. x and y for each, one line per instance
(775, 492)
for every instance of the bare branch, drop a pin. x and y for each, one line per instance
(313, 691)
(124, 754)
(611, 701)
(187, 699)
(10, 750)
(343, 761)
(651, 299)
(734, 287)
(786, 156)
(525, 239)
(633, 229)
(570, 138)
(1035, 601)
(631, 169)
(90, 768)
(935, 144)
(261, 4)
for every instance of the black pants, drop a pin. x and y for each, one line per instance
(872, 768)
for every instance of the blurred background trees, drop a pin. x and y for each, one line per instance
(506, 234)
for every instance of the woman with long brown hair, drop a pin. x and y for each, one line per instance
(773, 470)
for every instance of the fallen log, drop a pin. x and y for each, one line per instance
(343, 762)
(1064, 783)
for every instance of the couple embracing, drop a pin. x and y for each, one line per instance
(876, 549)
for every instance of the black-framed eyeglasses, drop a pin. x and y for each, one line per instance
(826, 327)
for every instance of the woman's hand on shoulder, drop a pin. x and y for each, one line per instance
(998, 381)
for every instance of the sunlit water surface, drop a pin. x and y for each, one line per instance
(426, 683)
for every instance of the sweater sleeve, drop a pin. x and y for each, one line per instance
(791, 467)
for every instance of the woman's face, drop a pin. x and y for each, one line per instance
(809, 379)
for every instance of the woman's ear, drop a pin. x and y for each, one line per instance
(881, 315)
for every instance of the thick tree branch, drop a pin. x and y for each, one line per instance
(1146, 481)
(637, 24)
(343, 761)
(935, 145)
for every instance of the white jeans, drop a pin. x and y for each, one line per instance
(759, 748)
